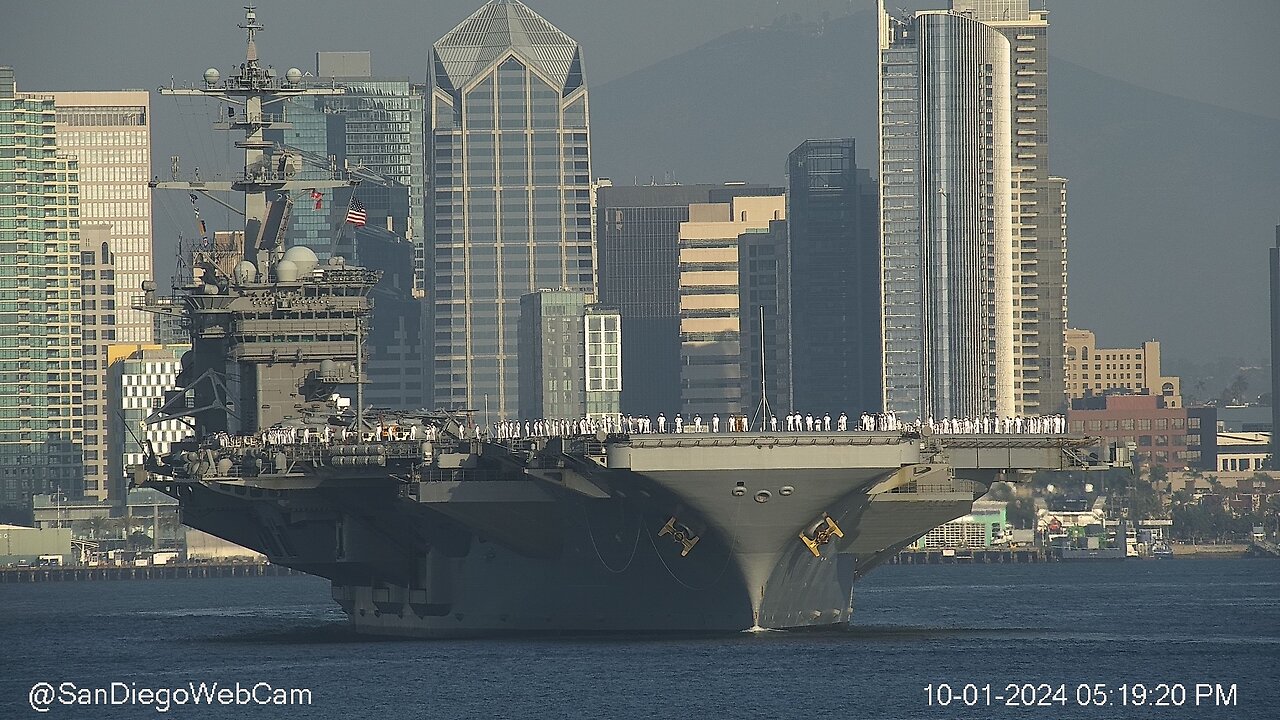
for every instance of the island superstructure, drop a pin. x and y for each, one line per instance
(427, 525)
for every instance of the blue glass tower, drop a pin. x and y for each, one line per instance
(511, 205)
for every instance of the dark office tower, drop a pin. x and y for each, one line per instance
(835, 270)
(511, 202)
(765, 323)
(638, 237)
(1275, 350)
(393, 337)
(375, 131)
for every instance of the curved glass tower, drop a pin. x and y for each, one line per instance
(946, 217)
(511, 183)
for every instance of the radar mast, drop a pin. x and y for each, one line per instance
(267, 169)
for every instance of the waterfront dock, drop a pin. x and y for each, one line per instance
(172, 571)
(985, 556)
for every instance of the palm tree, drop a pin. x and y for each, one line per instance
(1273, 507)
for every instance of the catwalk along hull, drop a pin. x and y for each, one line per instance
(650, 533)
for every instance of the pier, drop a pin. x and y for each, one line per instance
(176, 571)
(951, 557)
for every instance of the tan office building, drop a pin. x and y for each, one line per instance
(98, 317)
(1092, 370)
(711, 369)
(109, 133)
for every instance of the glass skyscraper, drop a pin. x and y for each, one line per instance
(835, 260)
(946, 202)
(378, 126)
(376, 129)
(41, 430)
(511, 203)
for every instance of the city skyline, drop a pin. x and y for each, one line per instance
(1110, 230)
(681, 365)
(443, 68)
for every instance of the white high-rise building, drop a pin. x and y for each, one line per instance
(946, 205)
(1039, 236)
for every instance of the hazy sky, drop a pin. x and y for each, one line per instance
(1224, 53)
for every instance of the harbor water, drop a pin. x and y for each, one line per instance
(1176, 639)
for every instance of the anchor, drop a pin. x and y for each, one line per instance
(681, 534)
(823, 531)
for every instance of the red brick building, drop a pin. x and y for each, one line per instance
(1159, 432)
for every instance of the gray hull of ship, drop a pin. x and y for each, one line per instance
(584, 549)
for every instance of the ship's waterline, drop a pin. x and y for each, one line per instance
(632, 534)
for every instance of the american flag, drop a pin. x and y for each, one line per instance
(355, 212)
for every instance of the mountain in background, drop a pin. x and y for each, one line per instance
(1172, 202)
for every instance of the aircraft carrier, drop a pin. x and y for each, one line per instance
(427, 527)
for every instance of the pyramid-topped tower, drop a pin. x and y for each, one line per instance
(503, 26)
(511, 196)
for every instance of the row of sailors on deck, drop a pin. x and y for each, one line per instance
(324, 434)
(791, 422)
(565, 427)
(794, 422)
(989, 424)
